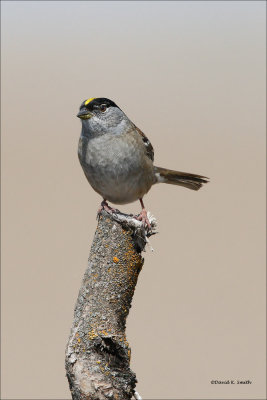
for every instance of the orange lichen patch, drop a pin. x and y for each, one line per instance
(125, 340)
(105, 372)
(115, 259)
(94, 277)
(92, 334)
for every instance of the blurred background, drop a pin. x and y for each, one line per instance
(191, 75)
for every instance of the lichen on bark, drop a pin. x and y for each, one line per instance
(98, 354)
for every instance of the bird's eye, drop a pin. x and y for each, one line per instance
(103, 107)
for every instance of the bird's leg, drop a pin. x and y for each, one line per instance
(143, 216)
(106, 207)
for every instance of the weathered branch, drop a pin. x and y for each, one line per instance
(98, 354)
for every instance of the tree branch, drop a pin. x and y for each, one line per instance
(97, 353)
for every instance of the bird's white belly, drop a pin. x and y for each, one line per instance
(112, 170)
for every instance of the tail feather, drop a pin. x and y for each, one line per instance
(190, 181)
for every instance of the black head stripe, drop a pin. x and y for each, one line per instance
(97, 102)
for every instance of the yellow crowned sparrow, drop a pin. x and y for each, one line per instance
(117, 157)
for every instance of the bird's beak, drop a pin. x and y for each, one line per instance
(84, 114)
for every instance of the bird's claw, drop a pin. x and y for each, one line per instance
(144, 218)
(107, 208)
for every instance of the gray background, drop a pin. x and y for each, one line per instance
(191, 75)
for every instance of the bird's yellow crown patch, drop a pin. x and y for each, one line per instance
(89, 100)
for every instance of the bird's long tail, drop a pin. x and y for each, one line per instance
(190, 181)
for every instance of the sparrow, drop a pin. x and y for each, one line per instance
(117, 157)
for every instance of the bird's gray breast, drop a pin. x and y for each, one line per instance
(115, 167)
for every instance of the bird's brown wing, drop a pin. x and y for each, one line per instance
(147, 143)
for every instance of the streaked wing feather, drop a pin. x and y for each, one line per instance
(147, 143)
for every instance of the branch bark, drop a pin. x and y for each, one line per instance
(98, 354)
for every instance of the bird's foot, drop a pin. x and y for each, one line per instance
(144, 218)
(106, 207)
